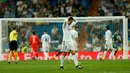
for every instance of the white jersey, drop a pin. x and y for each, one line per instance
(74, 34)
(108, 35)
(45, 39)
(108, 38)
(67, 36)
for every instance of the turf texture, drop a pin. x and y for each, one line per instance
(90, 66)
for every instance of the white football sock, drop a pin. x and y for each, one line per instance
(62, 60)
(46, 55)
(74, 57)
(69, 57)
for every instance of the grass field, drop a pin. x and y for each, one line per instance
(109, 66)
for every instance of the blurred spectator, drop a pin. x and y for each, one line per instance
(88, 46)
(28, 32)
(101, 12)
(68, 9)
(43, 8)
(54, 32)
(62, 10)
(117, 13)
(108, 13)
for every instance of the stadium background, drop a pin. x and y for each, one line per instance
(63, 8)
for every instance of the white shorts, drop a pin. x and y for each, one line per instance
(67, 46)
(109, 45)
(45, 47)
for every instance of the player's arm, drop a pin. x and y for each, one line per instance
(64, 24)
(49, 39)
(106, 35)
(73, 23)
(42, 38)
(15, 33)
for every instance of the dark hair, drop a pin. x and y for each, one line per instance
(45, 30)
(14, 28)
(107, 27)
(70, 18)
(34, 32)
(76, 26)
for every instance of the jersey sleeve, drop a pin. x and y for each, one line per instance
(14, 33)
(49, 39)
(42, 38)
(73, 23)
(64, 24)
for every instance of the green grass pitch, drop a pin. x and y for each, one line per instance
(90, 66)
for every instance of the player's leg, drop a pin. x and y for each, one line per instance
(75, 59)
(46, 55)
(15, 55)
(10, 52)
(112, 51)
(110, 46)
(33, 53)
(15, 52)
(36, 52)
(76, 53)
(62, 60)
(58, 54)
(46, 52)
(105, 51)
(75, 48)
(69, 58)
(10, 56)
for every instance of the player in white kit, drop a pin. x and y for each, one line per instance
(68, 42)
(109, 43)
(46, 40)
(75, 41)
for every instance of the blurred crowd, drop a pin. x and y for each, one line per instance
(42, 8)
(61, 8)
(64, 8)
(114, 8)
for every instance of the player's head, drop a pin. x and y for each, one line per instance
(14, 28)
(45, 31)
(76, 27)
(34, 33)
(70, 20)
(107, 28)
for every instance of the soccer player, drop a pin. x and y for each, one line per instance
(108, 44)
(46, 40)
(116, 43)
(13, 45)
(68, 42)
(34, 42)
(75, 41)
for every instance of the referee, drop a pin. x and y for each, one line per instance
(13, 45)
